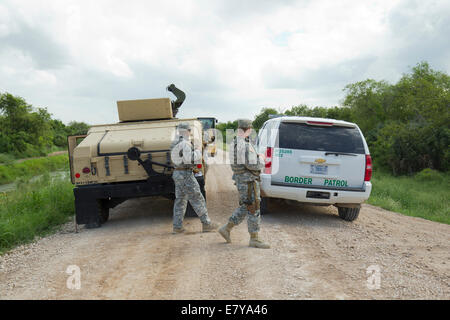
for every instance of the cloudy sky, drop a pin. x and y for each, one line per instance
(77, 58)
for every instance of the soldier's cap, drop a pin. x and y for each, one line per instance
(184, 126)
(244, 123)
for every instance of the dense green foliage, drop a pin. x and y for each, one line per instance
(424, 194)
(35, 209)
(26, 131)
(32, 167)
(223, 126)
(406, 125)
(262, 117)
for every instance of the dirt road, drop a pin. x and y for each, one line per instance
(314, 255)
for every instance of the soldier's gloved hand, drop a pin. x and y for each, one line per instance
(262, 156)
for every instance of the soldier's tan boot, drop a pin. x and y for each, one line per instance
(255, 242)
(178, 230)
(209, 227)
(225, 231)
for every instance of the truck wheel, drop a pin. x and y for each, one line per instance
(348, 214)
(103, 210)
(264, 206)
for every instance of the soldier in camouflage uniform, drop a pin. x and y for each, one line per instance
(186, 186)
(246, 166)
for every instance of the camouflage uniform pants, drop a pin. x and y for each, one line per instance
(188, 189)
(253, 220)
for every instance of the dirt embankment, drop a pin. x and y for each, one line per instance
(314, 255)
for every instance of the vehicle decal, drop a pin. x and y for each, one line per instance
(335, 183)
(308, 181)
(301, 180)
(280, 152)
(79, 183)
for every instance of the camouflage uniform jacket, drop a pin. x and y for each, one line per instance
(183, 154)
(245, 162)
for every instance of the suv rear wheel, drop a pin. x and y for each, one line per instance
(348, 214)
(264, 206)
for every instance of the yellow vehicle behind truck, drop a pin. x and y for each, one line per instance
(129, 159)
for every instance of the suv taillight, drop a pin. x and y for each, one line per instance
(368, 174)
(268, 161)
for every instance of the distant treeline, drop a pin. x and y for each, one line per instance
(406, 124)
(26, 131)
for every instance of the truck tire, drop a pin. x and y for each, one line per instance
(264, 206)
(190, 212)
(103, 210)
(348, 214)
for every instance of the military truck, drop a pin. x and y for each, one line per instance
(209, 124)
(129, 159)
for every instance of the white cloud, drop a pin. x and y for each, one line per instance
(231, 57)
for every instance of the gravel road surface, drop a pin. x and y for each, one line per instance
(314, 255)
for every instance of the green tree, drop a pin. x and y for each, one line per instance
(77, 128)
(223, 126)
(407, 124)
(59, 133)
(26, 131)
(368, 101)
(262, 117)
(300, 110)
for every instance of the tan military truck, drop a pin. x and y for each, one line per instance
(209, 124)
(129, 159)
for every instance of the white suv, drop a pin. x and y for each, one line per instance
(315, 160)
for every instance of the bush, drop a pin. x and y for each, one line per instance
(429, 175)
(27, 131)
(6, 158)
(405, 124)
(411, 147)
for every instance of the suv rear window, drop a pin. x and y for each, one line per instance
(320, 138)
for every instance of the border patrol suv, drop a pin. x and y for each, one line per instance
(317, 161)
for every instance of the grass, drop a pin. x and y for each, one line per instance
(34, 209)
(424, 195)
(32, 167)
(6, 158)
